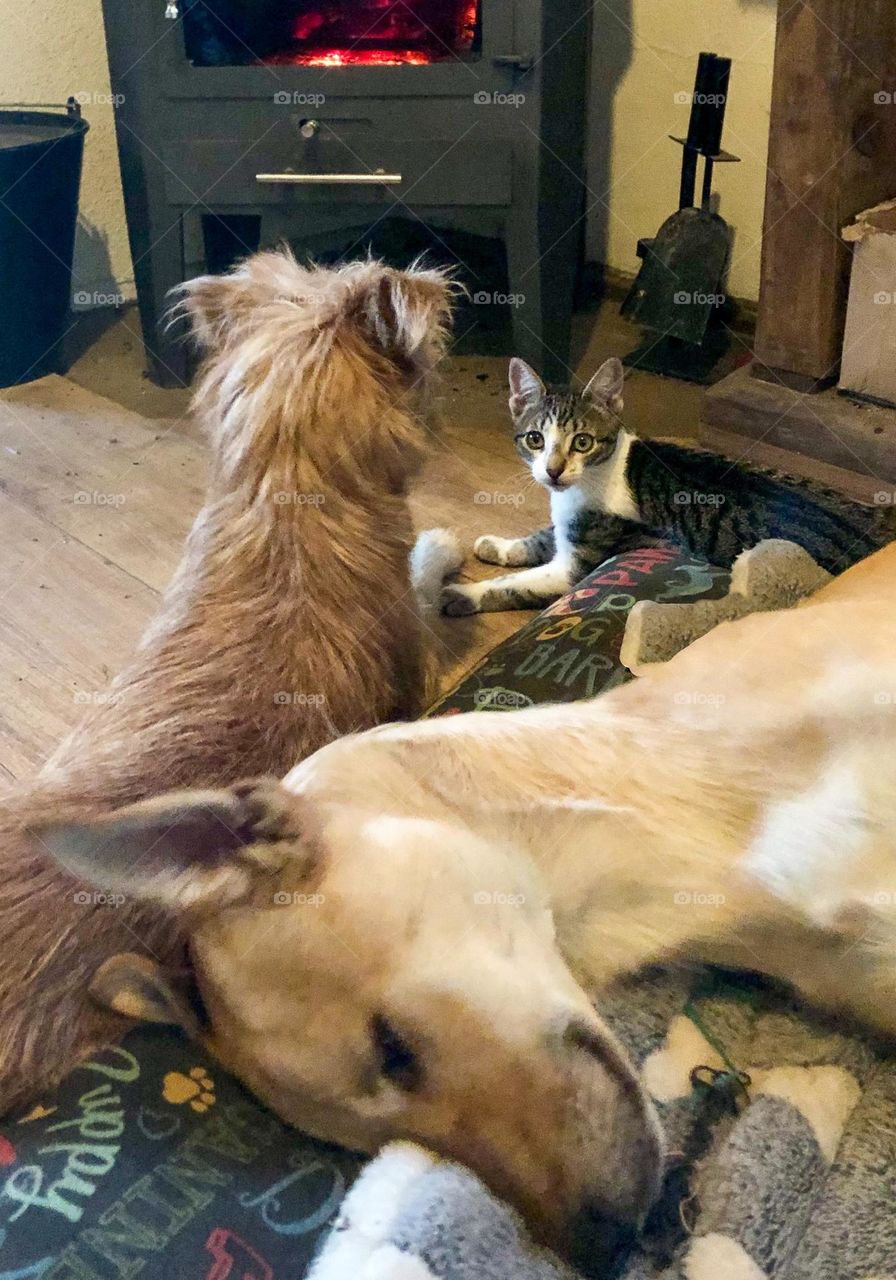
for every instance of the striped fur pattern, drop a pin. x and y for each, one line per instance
(610, 490)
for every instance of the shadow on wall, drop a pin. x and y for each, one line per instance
(612, 48)
(93, 281)
(96, 295)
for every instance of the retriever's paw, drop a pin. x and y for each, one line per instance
(266, 812)
(458, 602)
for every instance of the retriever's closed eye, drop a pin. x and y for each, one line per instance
(398, 1062)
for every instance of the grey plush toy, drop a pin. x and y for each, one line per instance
(772, 575)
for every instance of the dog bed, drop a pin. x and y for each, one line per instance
(152, 1162)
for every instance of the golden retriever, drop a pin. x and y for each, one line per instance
(404, 938)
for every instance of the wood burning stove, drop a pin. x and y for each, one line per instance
(248, 122)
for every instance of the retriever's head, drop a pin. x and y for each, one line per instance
(372, 977)
(336, 363)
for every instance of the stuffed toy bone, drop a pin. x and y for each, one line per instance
(774, 574)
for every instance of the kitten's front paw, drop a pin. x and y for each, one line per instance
(457, 602)
(488, 550)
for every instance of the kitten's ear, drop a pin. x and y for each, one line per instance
(606, 385)
(526, 388)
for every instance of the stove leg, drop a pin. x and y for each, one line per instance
(157, 270)
(542, 259)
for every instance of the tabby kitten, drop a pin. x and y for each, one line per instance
(610, 490)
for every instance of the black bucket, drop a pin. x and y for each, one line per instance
(40, 174)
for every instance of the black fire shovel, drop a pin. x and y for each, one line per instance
(682, 274)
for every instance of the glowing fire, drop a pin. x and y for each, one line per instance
(362, 57)
(383, 33)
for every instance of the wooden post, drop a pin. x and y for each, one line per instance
(832, 153)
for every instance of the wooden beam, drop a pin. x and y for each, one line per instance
(832, 153)
(825, 426)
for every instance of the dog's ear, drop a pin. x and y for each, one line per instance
(403, 312)
(189, 850)
(216, 306)
(208, 303)
(606, 385)
(526, 388)
(136, 987)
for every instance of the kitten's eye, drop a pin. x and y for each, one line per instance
(582, 442)
(398, 1062)
(534, 439)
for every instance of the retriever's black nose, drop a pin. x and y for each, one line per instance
(599, 1242)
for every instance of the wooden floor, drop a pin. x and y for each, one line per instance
(101, 475)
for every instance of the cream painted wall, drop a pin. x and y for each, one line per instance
(50, 49)
(644, 54)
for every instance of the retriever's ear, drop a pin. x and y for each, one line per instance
(136, 987)
(188, 849)
(606, 385)
(526, 388)
(406, 312)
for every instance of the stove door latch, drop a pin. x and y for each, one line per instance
(519, 63)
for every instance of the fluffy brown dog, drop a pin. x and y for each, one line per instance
(290, 620)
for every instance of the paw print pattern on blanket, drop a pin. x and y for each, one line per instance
(197, 1089)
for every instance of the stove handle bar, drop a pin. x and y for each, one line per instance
(379, 178)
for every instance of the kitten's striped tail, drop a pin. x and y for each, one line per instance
(437, 554)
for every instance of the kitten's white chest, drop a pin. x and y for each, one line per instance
(602, 488)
